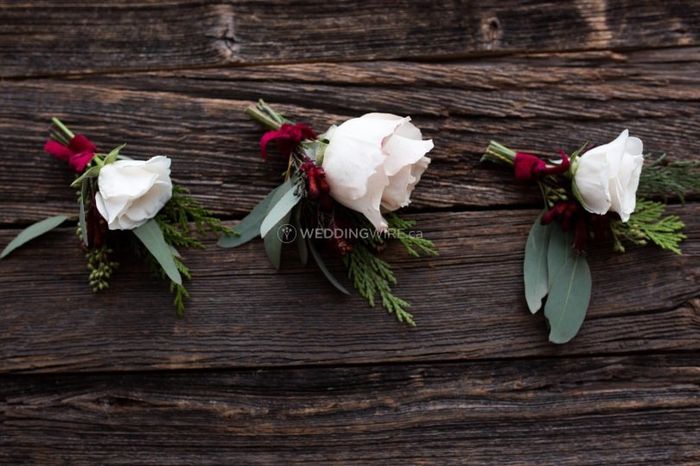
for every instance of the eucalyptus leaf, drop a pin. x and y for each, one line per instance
(113, 154)
(327, 273)
(559, 251)
(281, 209)
(91, 172)
(249, 227)
(299, 239)
(151, 236)
(81, 218)
(569, 288)
(33, 231)
(535, 265)
(273, 242)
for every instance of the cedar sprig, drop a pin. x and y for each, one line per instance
(415, 245)
(647, 224)
(371, 276)
(183, 222)
(661, 177)
(178, 216)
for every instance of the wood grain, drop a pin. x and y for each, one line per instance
(48, 38)
(636, 410)
(533, 103)
(468, 303)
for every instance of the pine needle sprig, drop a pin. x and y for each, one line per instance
(415, 244)
(371, 276)
(678, 178)
(647, 225)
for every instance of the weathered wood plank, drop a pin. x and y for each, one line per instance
(584, 411)
(48, 37)
(196, 117)
(468, 304)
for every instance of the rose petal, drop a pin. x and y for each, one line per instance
(398, 193)
(591, 180)
(123, 178)
(403, 152)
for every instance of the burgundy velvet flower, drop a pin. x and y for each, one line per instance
(78, 153)
(287, 138)
(318, 188)
(528, 166)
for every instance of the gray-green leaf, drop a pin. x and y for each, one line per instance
(273, 242)
(113, 154)
(535, 265)
(151, 236)
(327, 273)
(81, 218)
(91, 172)
(33, 231)
(569, 288)
(302, 247)
(249, 227)
(280, 210)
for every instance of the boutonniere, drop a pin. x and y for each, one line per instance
(339, 196)
(590, 195)
(126, 204)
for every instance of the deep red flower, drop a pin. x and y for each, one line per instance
(287, 137)
(528, 166)
(78, 153)
(570, 215)
(317, 185)
(339, 242)
(563, 211)
(96, 226)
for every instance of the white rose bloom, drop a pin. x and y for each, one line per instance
(606, 177)
(372, 164)
(131, 192)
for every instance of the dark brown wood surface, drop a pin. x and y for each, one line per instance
(275, 367)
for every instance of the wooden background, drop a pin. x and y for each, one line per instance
(276, 367)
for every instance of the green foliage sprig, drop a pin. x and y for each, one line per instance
(183, 222)
(415, 245)
(372, 276)
(647, 224)
(664, 178)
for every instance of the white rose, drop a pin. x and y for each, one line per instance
(372, 164)
(131, 192)
(606, 177)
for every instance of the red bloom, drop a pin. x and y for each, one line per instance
(570, 214)
(317, 185)
(528, 166)
(287, 137)
(340, 226)
(78, 153)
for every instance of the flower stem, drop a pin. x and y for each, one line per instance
(261, 118)
(499, 153)
(62, 127)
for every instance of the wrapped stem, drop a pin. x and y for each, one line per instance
(265, 115)
(499, 153)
